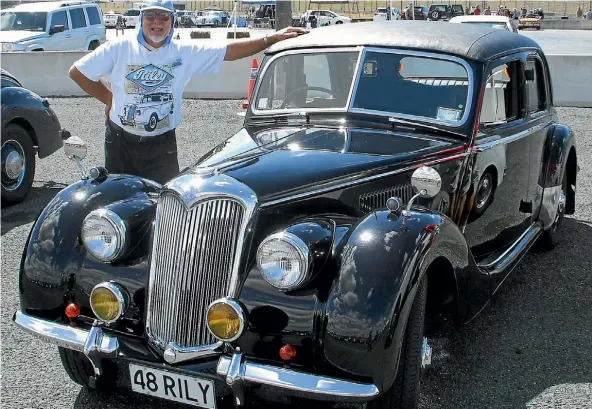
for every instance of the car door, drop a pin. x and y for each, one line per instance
(59, 41)
(80, 29)
(96, 25)
(501, 166)
(539, 118)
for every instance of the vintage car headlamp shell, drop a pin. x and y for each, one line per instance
(104, 234)
(226, 319)
(284, 260)
(109, 301)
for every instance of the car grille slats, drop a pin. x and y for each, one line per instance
(377, 199)
(194, 254)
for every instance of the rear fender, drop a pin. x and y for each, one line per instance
(380, 264)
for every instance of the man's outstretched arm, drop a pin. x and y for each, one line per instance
(245, 48)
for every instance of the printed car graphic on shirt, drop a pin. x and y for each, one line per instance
(149, 111)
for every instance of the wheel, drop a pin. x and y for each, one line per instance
(339, 22)
(404, 393)
(550, 238)
(80, 370)
(435, 15)
(484, 195)
(18, 163)
(93, 45)
(151, 125)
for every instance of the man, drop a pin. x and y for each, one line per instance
(589, 15)
(119, 26)
(148, 74)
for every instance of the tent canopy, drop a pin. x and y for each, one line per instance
(333, 1)
(271, 2)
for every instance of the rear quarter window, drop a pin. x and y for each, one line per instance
(93, 16)
(78, 18)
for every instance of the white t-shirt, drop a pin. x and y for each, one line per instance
(148, 86)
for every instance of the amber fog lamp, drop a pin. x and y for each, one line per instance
(109, 301)
(226, 319)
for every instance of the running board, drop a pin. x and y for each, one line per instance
(515, 252)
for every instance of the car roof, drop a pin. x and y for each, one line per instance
(464, 40)
(49, 5)
(484, 18)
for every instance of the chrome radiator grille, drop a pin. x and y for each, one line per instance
(377, 199)
(194, 254)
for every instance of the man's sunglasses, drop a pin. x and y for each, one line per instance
(162, 16)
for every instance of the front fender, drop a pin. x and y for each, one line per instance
(380, 264)
(28, 109)
(560, 141)
(56, 268)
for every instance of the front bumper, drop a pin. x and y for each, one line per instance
(238, 372)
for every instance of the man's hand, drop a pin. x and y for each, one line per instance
(288, 32)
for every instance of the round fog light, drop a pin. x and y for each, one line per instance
(109, 301)
(226, 319)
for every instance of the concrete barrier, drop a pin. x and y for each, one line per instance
(46, 73)
(555, 24)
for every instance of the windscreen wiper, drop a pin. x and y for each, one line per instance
(397, 122)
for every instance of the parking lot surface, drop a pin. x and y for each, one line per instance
(530, 348)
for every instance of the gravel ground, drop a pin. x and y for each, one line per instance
(530, 347)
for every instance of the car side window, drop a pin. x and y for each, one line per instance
(8, 83)
(78, 18)
(93, 16)
(535, 85)
(59, 18)
(502, 102)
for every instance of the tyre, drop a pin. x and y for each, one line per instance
(18, 163)
(435, 15)
(93, 45)
(339, 22)
(80, 370)
(550, 238)
(151, 125)
(404, 393)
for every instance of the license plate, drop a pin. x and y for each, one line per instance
(172, 386)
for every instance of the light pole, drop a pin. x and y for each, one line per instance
(283, 14)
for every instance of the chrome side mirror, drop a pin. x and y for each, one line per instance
(75, 149)
(427, 181)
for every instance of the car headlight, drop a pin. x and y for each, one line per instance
(284, 260)
(104, 234)
(7, 47)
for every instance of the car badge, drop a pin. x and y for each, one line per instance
(149, 77)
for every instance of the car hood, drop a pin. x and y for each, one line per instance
(20, 35)
(286, 161)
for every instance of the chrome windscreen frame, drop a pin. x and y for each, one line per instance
(362, 52)
(448, 57)
(255, 111)
(193, 188)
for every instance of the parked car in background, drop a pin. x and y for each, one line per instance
(498, 22)
(420, 13)
(30, 128)
(531, 20)
(445, 12)
(110, 19)
(325, 17)
(381, 14)
(52, 26)
(325, 283)
(131, 17)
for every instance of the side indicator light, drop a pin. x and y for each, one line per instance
(287, 352)
(72, 310)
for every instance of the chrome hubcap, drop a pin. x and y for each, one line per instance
(13, 165)
(483, 192)
(426, 353)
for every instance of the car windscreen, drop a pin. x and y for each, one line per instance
(407, 85)
(307, 81)
(492, 24)
(23, 20)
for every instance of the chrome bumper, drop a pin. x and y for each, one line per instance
(237, 371)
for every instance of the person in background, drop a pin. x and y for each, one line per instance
(579, 13)
(487, 11)
(119, 25)
(148, 73)
(589, 15)
(477, 11)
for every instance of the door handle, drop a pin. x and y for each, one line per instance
(68, 36)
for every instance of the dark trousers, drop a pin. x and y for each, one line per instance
(150, 157)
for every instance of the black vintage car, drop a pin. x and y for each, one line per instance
(30, 128)
(383, 177)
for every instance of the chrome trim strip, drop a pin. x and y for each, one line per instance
(281, 54)
(517, 136)
(436, 56)
(295, 383)
(516, 248)
(343, 185)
